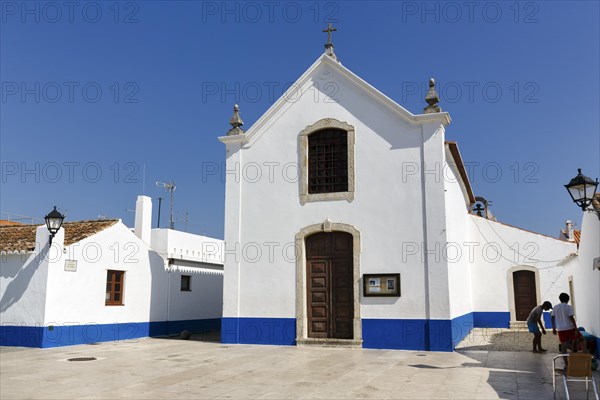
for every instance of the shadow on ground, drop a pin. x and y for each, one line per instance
(497, 339)
(209, 337)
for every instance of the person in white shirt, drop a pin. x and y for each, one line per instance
(563, 322)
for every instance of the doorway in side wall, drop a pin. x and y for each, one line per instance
(524, 293)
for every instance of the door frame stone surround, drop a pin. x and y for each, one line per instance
(301, 288)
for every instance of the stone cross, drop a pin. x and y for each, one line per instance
(329, 30)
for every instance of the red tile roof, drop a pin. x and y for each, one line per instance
(19, 238)
(4, 222)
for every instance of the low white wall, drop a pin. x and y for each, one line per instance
(182, 245)
(204, 301)
(500, 250)
(23, 280)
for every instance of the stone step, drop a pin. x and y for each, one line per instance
(518, 325)
(348, 343)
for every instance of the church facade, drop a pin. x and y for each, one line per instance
(349, 222)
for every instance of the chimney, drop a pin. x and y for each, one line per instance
(143, 219)
(569, 231)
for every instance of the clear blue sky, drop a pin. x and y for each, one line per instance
(105, 88)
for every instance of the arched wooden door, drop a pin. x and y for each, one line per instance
(330, 291)
(525, 295)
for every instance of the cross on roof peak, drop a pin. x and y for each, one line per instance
(329, 44)
(329, 29)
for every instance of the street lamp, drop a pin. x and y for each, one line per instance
(582, 190)
(54, 221)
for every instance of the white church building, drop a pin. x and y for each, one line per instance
(352, 223)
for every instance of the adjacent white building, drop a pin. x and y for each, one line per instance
(583, 270)
(352, 223)
(99, 281)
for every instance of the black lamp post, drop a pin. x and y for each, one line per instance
(582, 190)
(54, 221)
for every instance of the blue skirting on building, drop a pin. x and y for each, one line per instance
(273, 331)
(432, 335)
(401, 334)
(67, 335)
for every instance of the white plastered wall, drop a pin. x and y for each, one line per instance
(78, 298)
(263, 210)
(203, 301)
(586, 280)
(456, 253)
(23, 281)
(501, 250)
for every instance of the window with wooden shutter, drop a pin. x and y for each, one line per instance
(115, 281)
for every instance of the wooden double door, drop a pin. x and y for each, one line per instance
(330, 285)
(525, 293)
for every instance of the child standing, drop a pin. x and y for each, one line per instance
(533, 321)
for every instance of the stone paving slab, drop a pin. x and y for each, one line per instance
(499, 339)
(175, 369)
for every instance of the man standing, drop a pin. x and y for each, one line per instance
(563, 321)
(533, 321)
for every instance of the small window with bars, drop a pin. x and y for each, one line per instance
(328, 161)
(114, 287)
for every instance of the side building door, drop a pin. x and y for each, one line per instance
(525, 294)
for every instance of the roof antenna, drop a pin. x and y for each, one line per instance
(170, 187)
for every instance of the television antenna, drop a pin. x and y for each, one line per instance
(170, 187)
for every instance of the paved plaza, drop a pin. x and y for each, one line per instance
(203, 368)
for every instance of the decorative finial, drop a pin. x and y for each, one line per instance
(432, 99)
(236, 122)
(329, 44)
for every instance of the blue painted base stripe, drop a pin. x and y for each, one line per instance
(547, 320)
(21, 336)
(67, 335)
(461, 327)
(415, 334)
(402, 334)
(491, 319)
(273, 331)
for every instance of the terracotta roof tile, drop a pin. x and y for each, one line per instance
(19, 238)
(4, 222)
(596, 202)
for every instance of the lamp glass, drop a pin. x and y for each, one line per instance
(54, 224)
(582, 190)
(54, 221)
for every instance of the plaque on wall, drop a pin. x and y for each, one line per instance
(381, 285)
(71, 265)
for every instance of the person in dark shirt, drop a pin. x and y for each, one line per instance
(533, 321)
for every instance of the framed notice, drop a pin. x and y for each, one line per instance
(381, 285)
(71, 265)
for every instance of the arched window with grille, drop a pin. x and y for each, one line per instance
(327, 154)
(328, 161)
